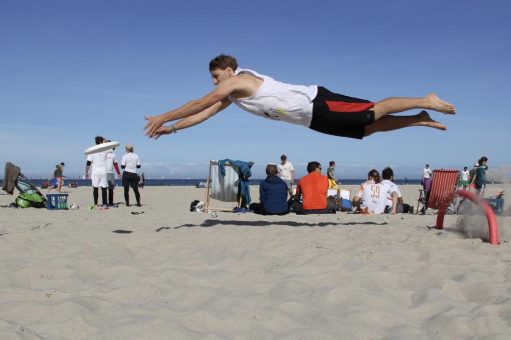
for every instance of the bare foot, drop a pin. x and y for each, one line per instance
(439, 105)
(426, 120)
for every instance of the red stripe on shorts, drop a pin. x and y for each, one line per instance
(336, 106)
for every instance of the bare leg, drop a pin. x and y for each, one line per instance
(400, 104)
(388, 123)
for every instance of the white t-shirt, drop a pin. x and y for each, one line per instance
(110, 160)
(373, 197)
(285, 170)
(426, 173)
(389, 188)
(130, 161)
(465, 175)
(98, 161)
(279, 101)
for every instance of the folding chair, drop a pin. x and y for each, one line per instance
(227, 187)
(442, 193)
(222, 188)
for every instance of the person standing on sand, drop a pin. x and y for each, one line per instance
(480, 179)
(465, 178)
(312, 106)
(98, 173)
(286, 172)
(332, 181)
(130, 163)
(111, 166)
(472, 173)
(426, 178)
(58, 177)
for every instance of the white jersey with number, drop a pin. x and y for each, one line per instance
(373, 197)
(279, 101)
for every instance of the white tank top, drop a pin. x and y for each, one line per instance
(279, 101)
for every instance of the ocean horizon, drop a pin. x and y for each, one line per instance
(194, 182)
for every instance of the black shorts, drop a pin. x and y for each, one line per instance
(339, 115)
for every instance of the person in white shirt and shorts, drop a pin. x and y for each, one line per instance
(286, 172)
(97, 161)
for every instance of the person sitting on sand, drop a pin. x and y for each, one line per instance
(497, 202)
(371, 197)
(394, 202)
(313, 189)
(313, 106)
(272, 194)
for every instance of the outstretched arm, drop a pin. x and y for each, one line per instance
(222, 91)
(193, 119)
(87, 167)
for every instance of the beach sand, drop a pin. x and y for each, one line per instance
(169, 273)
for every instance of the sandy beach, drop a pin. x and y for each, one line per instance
(168, 273)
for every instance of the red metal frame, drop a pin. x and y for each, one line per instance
(490, 215)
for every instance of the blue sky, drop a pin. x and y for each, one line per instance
(71, 70)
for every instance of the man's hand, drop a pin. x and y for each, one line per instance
(153, 125)
(164, 130)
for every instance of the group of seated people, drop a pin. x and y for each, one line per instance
(375, 196)
(378, 194)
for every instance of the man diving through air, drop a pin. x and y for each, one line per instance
(312, 106)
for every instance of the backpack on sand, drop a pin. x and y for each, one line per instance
(35, 200)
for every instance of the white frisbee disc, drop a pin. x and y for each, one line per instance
(101, 147)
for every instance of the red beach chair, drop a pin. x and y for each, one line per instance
(443, 191)
(443, 188)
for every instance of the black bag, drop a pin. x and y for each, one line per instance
(193, 205)
(333, 203)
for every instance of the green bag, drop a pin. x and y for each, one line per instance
(25, 200)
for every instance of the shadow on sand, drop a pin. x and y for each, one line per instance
(217, 222)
